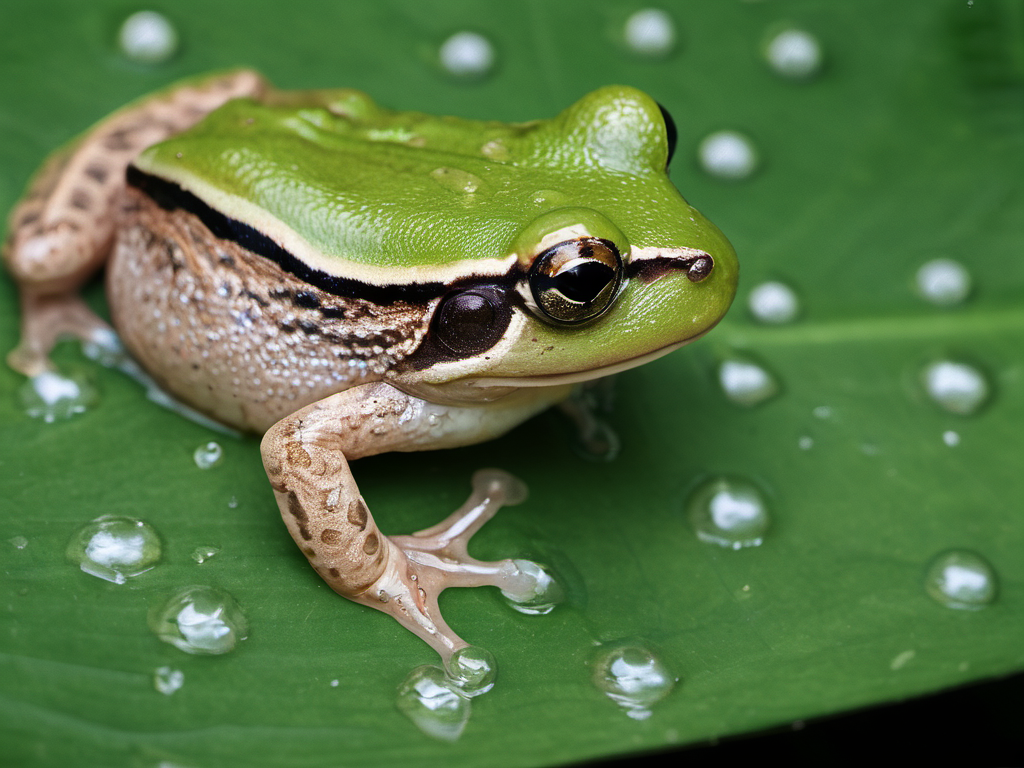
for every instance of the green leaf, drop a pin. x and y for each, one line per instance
(909, 145)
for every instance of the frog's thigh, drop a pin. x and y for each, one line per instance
(306, 458)
(63, 228)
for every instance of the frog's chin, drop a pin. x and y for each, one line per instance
(576, 377)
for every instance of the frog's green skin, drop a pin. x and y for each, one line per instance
(352, 280)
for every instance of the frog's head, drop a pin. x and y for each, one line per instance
(614, 269)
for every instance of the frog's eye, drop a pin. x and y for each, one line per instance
(471, 320)
(577, 280)
(671, 134)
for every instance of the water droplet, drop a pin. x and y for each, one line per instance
(951, 438)
(233, 502)
(51, 397)
(794, 53)
(456, 180)
(115, 548)
(203, 553)
(773, 302)
(208, 455)
(540, 592)
(148, 37)
(902, 659)
(806, 442)
(650, 32)
(167, 680)
(199, 619)
(822, 412)
(956, 387)
(467, 55)
(745, 382)
(335, 683)
(961, 579)
(433, 702)
(728, 511)
(634, 678)
(943, 282)
(728, 155)
(473, 669)
(19, 542)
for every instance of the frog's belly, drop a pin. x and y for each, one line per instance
(233, 335)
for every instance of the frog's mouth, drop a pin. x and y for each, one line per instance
(577, 377)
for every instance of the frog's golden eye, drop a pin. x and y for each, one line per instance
(576, 280)
(471, 320)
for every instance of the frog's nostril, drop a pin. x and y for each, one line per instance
(700, 268)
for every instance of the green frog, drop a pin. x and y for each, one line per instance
(347, 280)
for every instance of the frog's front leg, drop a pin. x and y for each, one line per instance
(306, 457)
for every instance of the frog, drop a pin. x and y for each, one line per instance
(348, 280)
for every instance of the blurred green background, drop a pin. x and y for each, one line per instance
(906, 146)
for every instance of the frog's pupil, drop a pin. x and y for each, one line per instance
(582, 282)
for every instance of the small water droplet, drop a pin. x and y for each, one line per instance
(773, 302)
(203, 553)
(208, 455)
(540, 591)
(19, 542)
(902, 659)
(456, 180)
(233, 502)
(115, 548)
(148, 37)
(467, 55)
(806, 442)
(745, 382)
(961, 579)
(794, 53)
(822, 412)
(335, 683)
(433, 702)
(634, 678)
(728, 511)
(728, 155)
(951, 438)
(199, 619)
(52, 397)
(943, 282)
(956, 387)
(473, 669)
(167, 680)
(650, 32)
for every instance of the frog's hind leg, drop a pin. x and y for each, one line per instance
(62, 230)
(306, 457)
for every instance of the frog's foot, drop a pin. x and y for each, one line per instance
(47, 319)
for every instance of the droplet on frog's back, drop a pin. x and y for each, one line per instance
(115, 548)
(728, 511)
(634, 678)
(433, 702)
(456, 179)
(961, 579)
(199, 619)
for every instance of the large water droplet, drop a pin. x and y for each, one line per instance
(540, 592)
(199, 619)
(956, 387)
(467, 55)
(728, 155)
(208, 455)
(473, 669)
(52, 397)
(728, 511)
(634, 678)
(18, 542)
(148, 38)
(774, 302)
(943, 282)
(434, 703)
(961, 579)
(745, 382)
(115, 548)
(650, 32)
(794, 53)
(168, 680)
